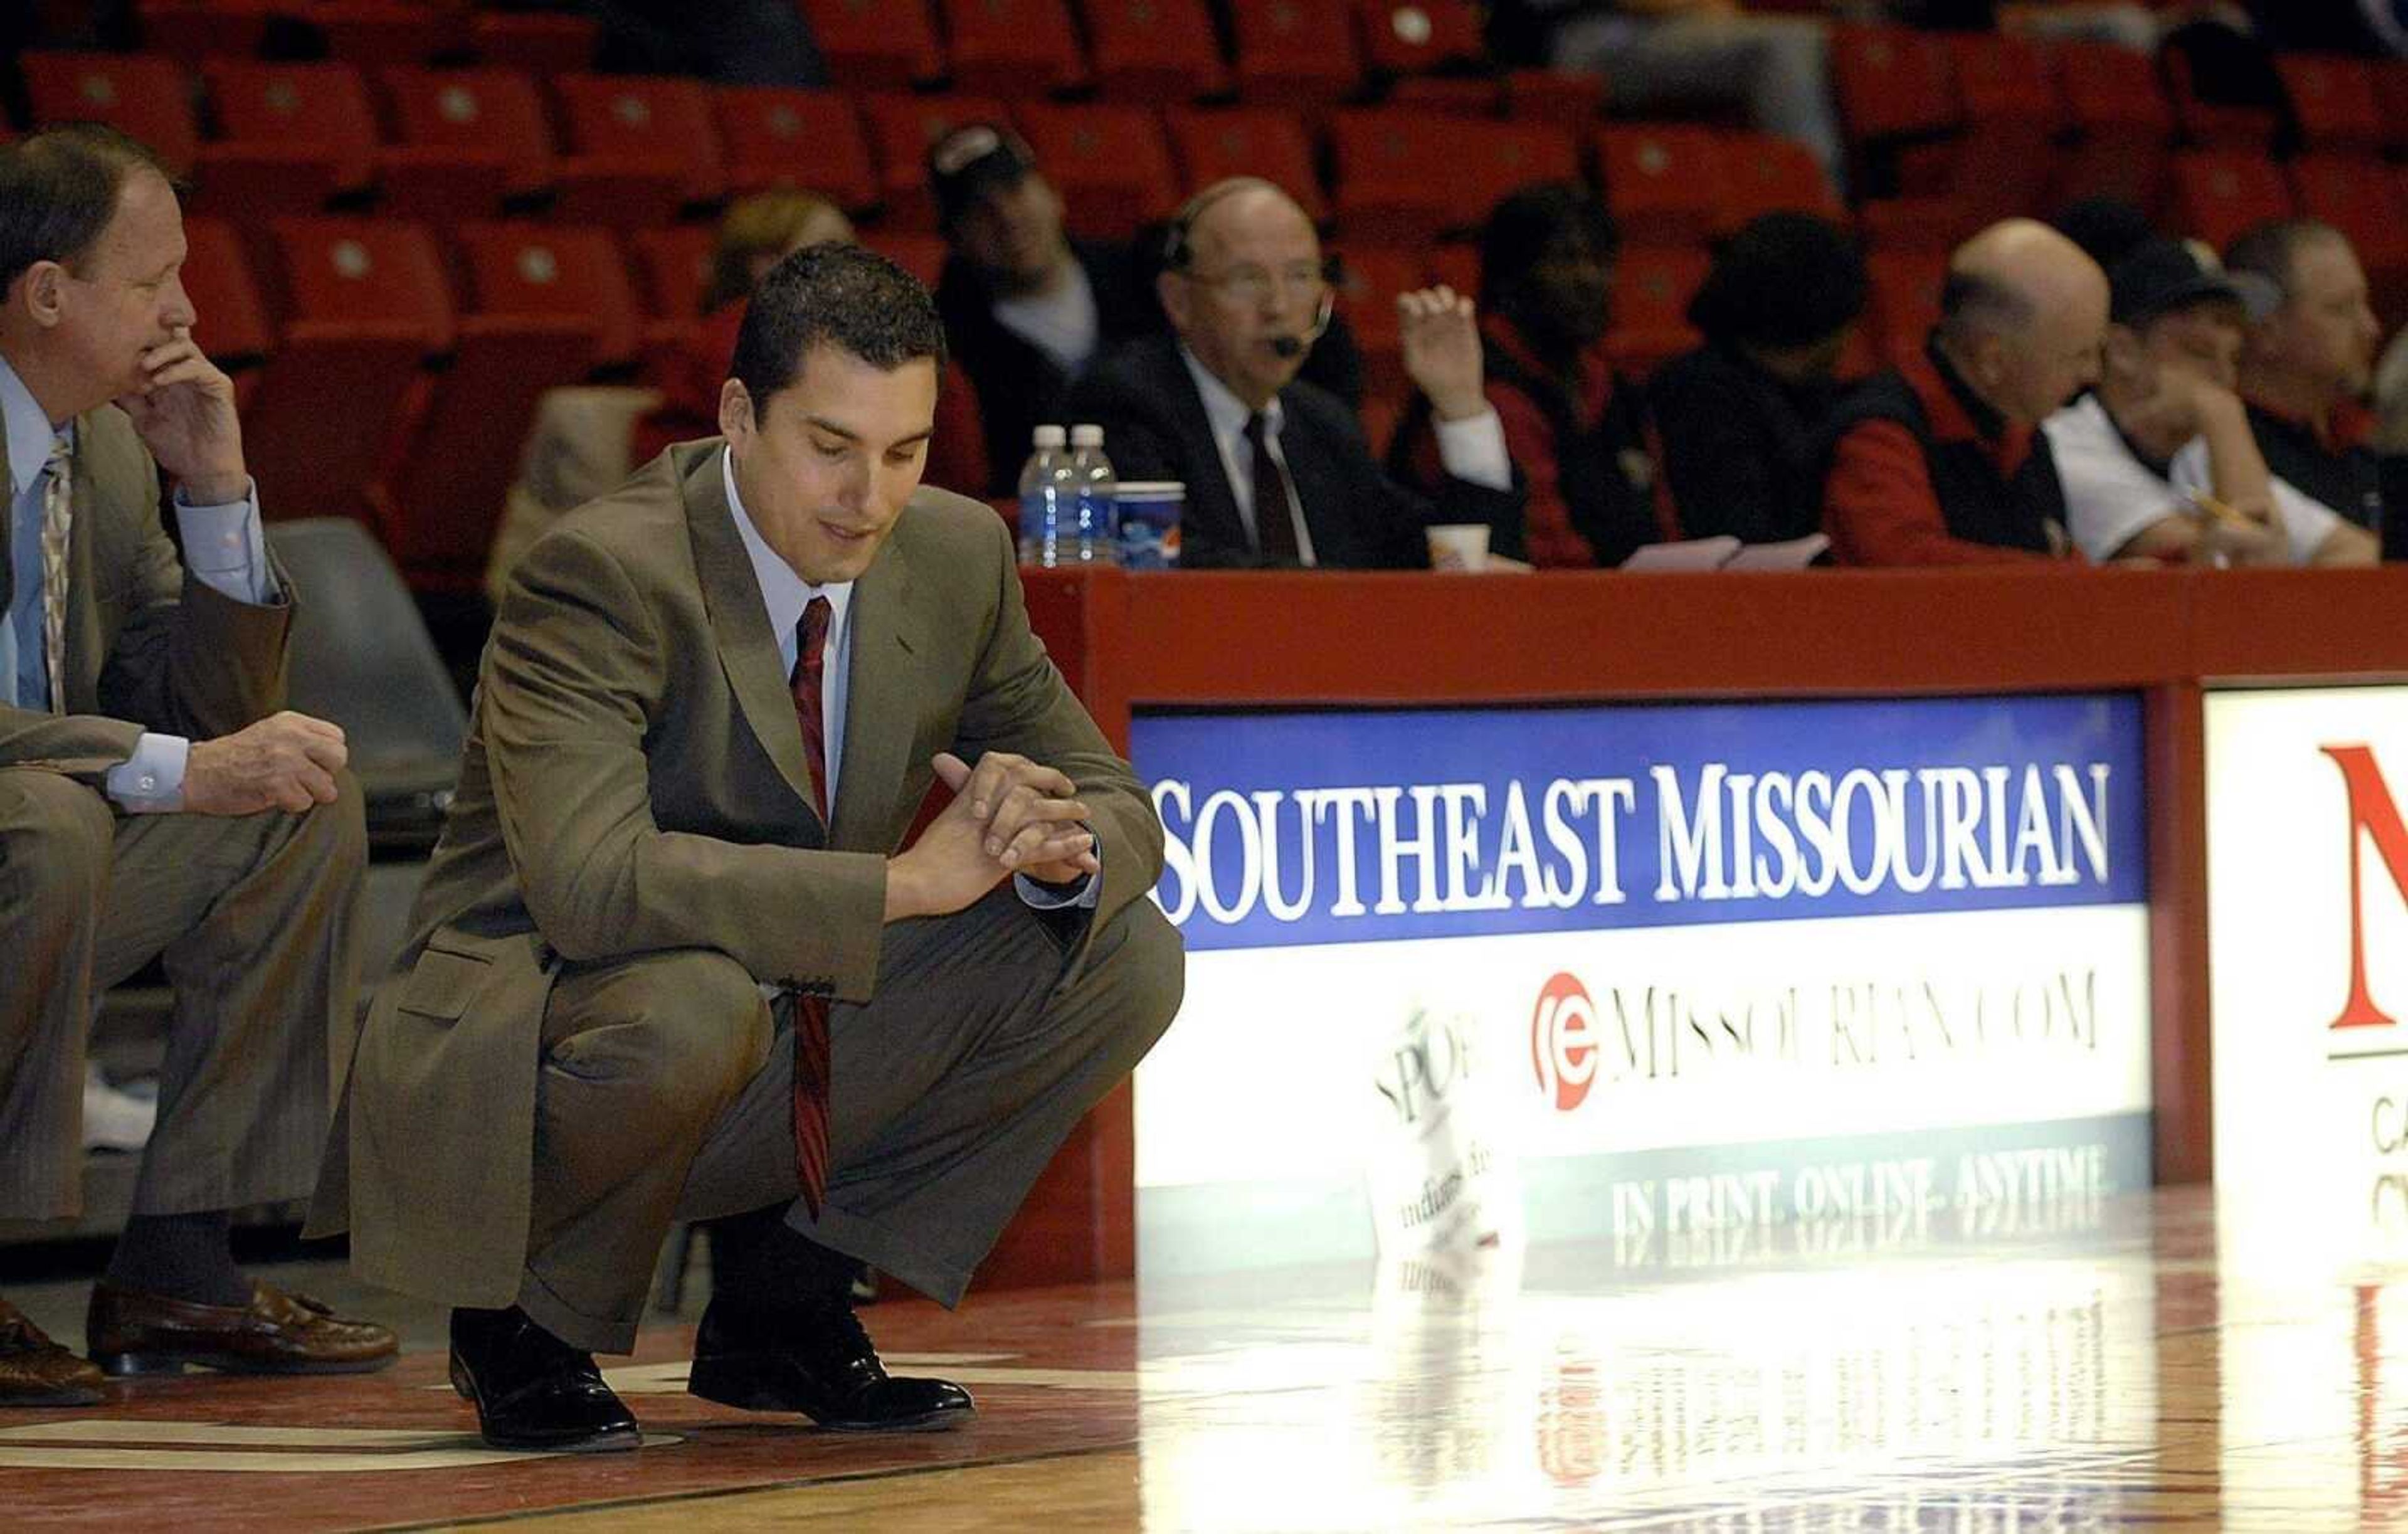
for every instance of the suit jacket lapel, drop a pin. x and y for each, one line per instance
(880, 709)
(739, 619)
(7, 531)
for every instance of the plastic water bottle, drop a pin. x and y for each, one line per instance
(1048, 500)
(1098, 492)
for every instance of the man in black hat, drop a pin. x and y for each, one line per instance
(1025, 305)
(1737, 418)
(2158, 460)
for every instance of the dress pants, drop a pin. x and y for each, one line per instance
(254, 917)
(665, 1092)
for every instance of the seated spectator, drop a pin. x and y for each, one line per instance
(1276, 469)
(1942, 463)
(587, 439)
(1739, 417)
(1026, 306)
(1675, 56)
(2306, 369)
(2149, 457)
(1576, 431)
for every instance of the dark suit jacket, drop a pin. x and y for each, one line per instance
(635, 780)
(1154, 428)
(149, 647)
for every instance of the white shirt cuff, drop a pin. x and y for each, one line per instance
(1473, 449)
(152, 780)
(1038, 897)
(226, 548)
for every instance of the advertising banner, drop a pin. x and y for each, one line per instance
(1668, 967)
(2307, 863)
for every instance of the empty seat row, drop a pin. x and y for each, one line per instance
(451, 145)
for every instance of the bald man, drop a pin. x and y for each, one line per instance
(1940, 462)
(1276, 471)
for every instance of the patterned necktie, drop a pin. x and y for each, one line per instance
(58, 512)
(1274, 529)
(811, 1053)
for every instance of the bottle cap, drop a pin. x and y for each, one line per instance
(1088, 435)
(1047, 436)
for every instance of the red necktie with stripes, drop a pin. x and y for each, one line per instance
(811, 1053)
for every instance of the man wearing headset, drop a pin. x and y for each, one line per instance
(1276, 471)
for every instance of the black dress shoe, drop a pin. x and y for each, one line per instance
(532, 1390)
(817, 1360)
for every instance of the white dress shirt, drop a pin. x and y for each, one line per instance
(785, 595)
(224, 546)
(1472, 449)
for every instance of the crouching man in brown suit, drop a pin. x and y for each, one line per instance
(667, 963)
(154, 802)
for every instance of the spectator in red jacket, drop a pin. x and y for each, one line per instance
(1577, 430)
(1942, 463)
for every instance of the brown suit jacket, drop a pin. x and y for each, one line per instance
(150, 647)
(634, 781)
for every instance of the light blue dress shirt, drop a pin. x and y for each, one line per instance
(787, 595)
(224, 546)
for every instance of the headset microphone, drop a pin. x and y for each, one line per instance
(1289, 348)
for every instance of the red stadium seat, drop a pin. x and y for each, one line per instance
(2391, 91)
(1416, 37)
(368, 306)
(1369, 277)
(1574, 98)
(2219, 193)
(1651, 289)
(326, 108)
(198, 29)
(1110, 164)
(1153, 50)
(1294, 53)
(1405, 174)
(807, 140)
(1451, 95)
(146, 95)
(376, 31)
(1764, 173)
(543, 42)
(1891, 84)
(2364, 199)
(1663, 181)
(558, 271)
(921, 255)
(1904, 301)
(498, 111)
(675, 263)
(901, 129)
(2122, 122)
(2004, 161)
(234, 326)
(1212, 144)
(628, 115)
(1011, 48)
(876, 44)
(2335, 102)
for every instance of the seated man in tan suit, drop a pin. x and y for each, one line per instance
(153, 800)
(668, 963)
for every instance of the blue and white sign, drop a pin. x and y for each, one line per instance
(1792, 939)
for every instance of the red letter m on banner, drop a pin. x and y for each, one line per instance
(2372, 811)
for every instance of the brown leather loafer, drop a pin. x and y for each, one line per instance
(277, 1333)
(36, 1371)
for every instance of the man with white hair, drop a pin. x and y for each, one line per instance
(1276, 471)
(1942, 463)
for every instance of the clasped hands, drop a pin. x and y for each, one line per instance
(1009, 815)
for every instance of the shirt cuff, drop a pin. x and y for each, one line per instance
(226, 548)
(152, 780)
(1473, 449)
(1038, 896)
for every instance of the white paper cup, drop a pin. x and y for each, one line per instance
(1460, 546)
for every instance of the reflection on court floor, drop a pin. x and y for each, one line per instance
(2097, 1363)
